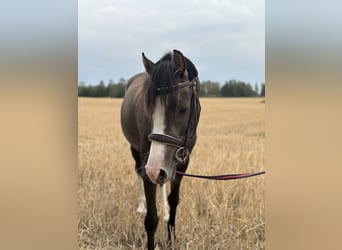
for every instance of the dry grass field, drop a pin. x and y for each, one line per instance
(211, 214)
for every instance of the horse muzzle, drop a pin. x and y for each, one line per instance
(155, 167)
(157, 175)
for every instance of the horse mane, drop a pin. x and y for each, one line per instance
(163, 77)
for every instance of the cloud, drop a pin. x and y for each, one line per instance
(214, 34)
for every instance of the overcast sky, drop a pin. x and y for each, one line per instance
(224, 39)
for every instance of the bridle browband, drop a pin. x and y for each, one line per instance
(181, 85)
(182, 146)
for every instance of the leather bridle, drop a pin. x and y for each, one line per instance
(182, 145)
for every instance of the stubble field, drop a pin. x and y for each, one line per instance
(211, 214)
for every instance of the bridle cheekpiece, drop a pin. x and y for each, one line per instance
(183, 152)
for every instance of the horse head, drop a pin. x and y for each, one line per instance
(172, 102)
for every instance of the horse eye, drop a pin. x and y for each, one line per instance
(183, 110)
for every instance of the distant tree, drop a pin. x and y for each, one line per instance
(203, 89)
(228, 89)
(101, 90)
(111, 82)
(209, 88)
(234, 88)
(262, 93)
(116, 90)
(122, 90)
(122, 81)
(92, 91)
(112, 90)
(83, 90)
(256, 88)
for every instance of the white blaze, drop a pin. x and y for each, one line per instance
(157, 150)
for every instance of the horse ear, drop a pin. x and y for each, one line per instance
(179, 62)
(147, 63)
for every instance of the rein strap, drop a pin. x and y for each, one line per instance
(224, 177)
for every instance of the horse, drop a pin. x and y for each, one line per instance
(159, 117)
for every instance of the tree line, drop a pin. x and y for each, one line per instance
(112, 89)
(231, 88)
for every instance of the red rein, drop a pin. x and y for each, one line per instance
(222, 177)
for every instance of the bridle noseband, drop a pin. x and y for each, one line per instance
(183, 152)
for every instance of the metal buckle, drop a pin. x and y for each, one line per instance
(182, 154)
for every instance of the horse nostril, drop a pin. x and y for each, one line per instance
(161, 177)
